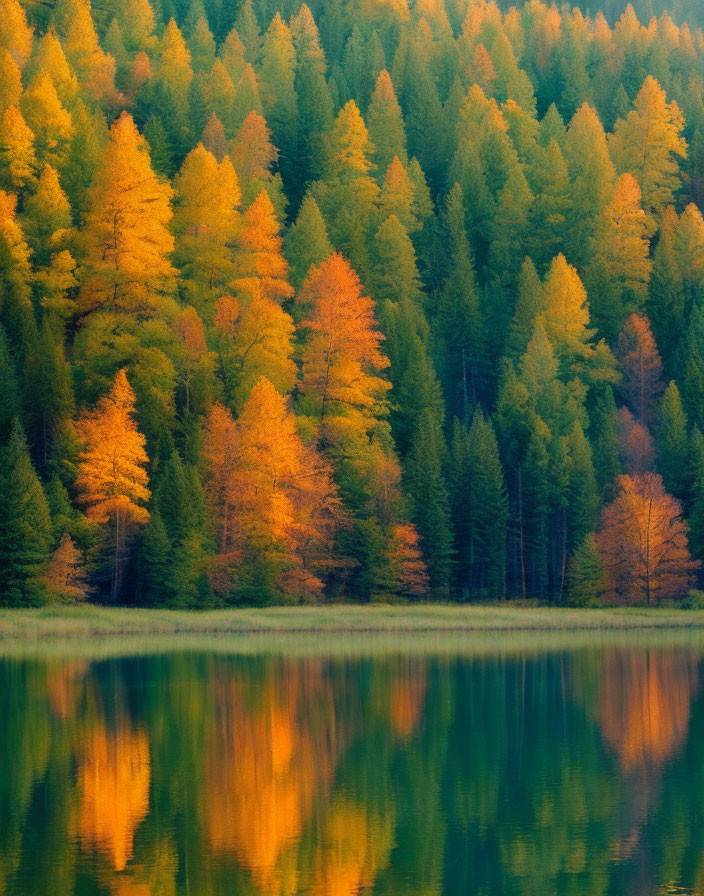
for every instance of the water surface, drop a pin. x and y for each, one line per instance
(396, 772)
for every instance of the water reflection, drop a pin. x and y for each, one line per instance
(568, 773)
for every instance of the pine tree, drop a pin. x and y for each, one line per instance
(10, 81)
(306, 242)
(586, 577)
(461, 362)
(47, 217)
(260, 264)
(112, 481)
(621, 266)
(66, 578)
(430, 512)
(18, 160)
(342, 356)
(385, 123)
(641, 366)
(25, 526)
(648, 144)
(126, 264)
(479, 509)
(205, 225)
(15, 32)
(347, 195)
(529, 305)
(673, 444)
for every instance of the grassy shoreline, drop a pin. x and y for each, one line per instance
(91, 621)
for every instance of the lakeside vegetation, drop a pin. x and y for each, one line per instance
(89, 621)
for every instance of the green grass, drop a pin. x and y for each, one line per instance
(91, 621)
(95, 632)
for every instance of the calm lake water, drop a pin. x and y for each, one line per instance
(574, 771)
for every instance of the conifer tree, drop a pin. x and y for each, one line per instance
(306, 242)
(430, 512)
(15, 32)
(10, 81)
(25, 526)
(66, 578)
(47, 217)
(641, 366)
(648, 144)
(205, 225)
(18, 161)
(342, 356)
(673, 443)
(462, 360)
(127, 244)
(385, 123)
(112, 481)
(347, 195)
(586, 577)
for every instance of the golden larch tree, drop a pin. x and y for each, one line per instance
(205, 223)
(260, 261)
(126, 239)
(649, 145)
(342, 356)
(66, 576)
(15, 32)
(112, 480)
(643, 543)
(621, 245)
(18, 160)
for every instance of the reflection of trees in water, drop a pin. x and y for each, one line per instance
(113, 780)
(271, 777)
(644, 704)
(644, 707)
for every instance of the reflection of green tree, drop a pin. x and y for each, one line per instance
(24, 753)
(530, 787)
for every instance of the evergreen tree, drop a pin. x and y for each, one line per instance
(25, 526)
(426, 486)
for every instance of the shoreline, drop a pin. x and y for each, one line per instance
(343, 619)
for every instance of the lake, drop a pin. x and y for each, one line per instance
(400, 771)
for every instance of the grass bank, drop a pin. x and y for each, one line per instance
(91, 621)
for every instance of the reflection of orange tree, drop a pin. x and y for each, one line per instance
(644, 712)
(354, 846)
(264, 767)
(644, 704)
(64, 684)
(113, 778)
(406, 698)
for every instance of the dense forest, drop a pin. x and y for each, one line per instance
(371, 299)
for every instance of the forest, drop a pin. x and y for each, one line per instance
(353, 299)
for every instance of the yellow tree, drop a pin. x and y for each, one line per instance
(51, 59)
(648, 144)
(18, 161)
(10, 81)
(94, 68)
(126, 238)
(622, 239)
(255, 339)
(566, 316)
(15, 33)
(112, 480)
(50, 122)
(260, 261)
(205, 224)
(173, 67)
(342, 356)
